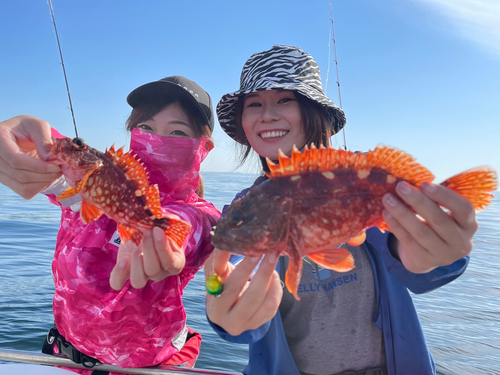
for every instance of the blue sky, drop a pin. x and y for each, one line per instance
(419, 75)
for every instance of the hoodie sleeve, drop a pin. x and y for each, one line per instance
(247, 337)
(417, 283)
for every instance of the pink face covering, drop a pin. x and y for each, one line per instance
(173, 163)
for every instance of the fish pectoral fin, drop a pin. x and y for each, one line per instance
(175, 228)
(357, 240)
(125, 232)
(337, 259)
(88, 212)
(69, 192)
(383, 227)
(293, 271)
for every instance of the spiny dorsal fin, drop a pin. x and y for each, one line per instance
(395, 162)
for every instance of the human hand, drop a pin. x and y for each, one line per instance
(22, 140)
(436, 238)
(155, 259)
(243, 304)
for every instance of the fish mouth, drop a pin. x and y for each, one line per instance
(218, 241)
(227, 242)
(271, 134)
(52, 153)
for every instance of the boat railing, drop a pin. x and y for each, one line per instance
(51, 360)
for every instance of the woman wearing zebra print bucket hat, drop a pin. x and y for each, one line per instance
(358, 322)
(289, 70)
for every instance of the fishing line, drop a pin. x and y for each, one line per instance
(62, 63)
(336, 66)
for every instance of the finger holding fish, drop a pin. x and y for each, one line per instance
(157, 258)
(22, 139)
(247, 304)
(171, 255)
(154, 259)
(430, 237)
(138, 277)
(121, 271)
(24, 183)
(262, 296)
(150, 259)
(267, 309)
(218, 263)
(461, 210)
(406, 248)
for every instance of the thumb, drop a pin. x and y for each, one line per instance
(220, 263)
(41, 136)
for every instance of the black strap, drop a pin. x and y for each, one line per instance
(65, 348)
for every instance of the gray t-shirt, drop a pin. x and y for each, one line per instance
(331, 328)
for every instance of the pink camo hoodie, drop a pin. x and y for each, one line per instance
(131, 327)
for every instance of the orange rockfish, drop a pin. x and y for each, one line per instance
(115, 184)
(321, 198)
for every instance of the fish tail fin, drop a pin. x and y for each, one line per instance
(337, 259)
(175, 228)
(475, 184)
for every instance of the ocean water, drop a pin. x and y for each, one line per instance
(461, 320)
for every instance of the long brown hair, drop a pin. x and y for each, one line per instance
(147, 110)
(315, 120)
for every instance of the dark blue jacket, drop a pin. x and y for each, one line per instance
(406, 349)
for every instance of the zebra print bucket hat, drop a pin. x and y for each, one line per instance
(281, 67)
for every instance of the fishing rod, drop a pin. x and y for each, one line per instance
(64, 69)
(336, 66)
(51, 360)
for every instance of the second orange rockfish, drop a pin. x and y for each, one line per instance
(115, 184)
(322, 198)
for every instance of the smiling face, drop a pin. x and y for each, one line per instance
(171, 121)
(271, 121)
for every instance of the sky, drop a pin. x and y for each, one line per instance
(422, 76)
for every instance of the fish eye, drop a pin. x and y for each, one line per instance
(78, 143)
(238, 218)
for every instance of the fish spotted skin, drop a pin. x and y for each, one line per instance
(321, 198)
(114, 183)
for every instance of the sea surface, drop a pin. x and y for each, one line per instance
(461, 320)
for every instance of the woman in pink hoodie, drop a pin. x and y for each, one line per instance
(119, 303)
